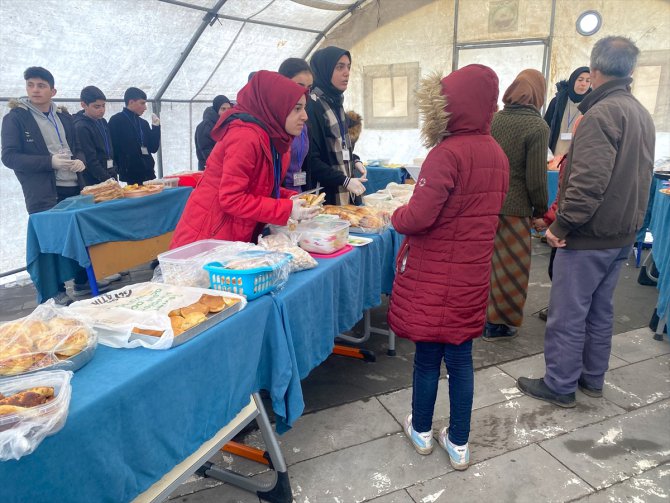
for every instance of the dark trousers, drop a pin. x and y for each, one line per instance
(578, 338)
(80, 277)
(427, 363)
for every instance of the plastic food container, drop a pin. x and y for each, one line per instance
(187, 178)
(181, 265)
(324, 237)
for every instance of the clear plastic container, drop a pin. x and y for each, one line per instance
(324, 237)
(182, 266)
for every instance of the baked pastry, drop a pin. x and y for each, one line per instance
(193, 319)
(215, 303)
(197, 307)
(73, 343)
(26, 399)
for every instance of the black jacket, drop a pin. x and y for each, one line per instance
(132, 165)
(25, 152)
(94, 146)
(554, 114)
(203, 141)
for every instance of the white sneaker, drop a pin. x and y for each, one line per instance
(459, 455)
(422, 442)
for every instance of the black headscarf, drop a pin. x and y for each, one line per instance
(323, 64)
(576, 98)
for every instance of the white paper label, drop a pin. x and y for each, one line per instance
(299, 178)
(345, 155)
(566, 136)
(110, 163)
(145, 150)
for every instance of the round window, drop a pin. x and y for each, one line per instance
(589, 22)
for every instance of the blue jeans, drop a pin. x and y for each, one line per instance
(427, 364)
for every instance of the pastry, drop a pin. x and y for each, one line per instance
(73, 343)
(215, 303)
(193, 319)
(194, 308)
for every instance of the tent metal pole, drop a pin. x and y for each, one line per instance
(454, 50)
(321, 35)
(206, 20)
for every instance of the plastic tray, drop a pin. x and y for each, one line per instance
(252, 283)
(342, 251)
(195, 331)
(323, 237)
(359, 241)
(72, 363)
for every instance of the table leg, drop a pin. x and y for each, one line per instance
(92, 281)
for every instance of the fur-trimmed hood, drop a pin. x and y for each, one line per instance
(21, 103)
(463, 102)
(354, 125)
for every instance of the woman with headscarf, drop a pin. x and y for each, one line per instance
(331, 161)
(444, 264)
(562, 111)
(523, 135)
(241, 189)
(298, 71)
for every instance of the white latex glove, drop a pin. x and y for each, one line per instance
(362, 170)
(77, 166)
(155, 120)
(61, 161)
(302, 212)
(355, 186)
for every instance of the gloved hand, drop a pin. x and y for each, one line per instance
(155, 120)
(61, 161)
(77, 166)
(362, 170)
(302, 212)
(355, 186)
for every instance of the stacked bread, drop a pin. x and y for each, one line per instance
(105, 191)
(25, 399)
(359, 216)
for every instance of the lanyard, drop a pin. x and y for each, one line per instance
(276, 160)
(136, 125)
(342, 133)
(570, 121)
(102, 131)
(52, 120)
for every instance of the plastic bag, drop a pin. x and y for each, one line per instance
(148, 309)
(288, 243)
(22, 429)
(363, 219)
(51, 336)
(183, 266)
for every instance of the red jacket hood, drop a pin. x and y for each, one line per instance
(472, 97)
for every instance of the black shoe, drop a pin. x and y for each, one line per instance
(536, 388)
(589, 390)
(542, 314)
(495, 332)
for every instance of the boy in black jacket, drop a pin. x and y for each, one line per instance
(94, 137)
(132, 139)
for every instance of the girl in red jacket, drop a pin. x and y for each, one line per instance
(241, 189)
(442, 281)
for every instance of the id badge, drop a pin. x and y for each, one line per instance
(566, 136)
(110, 163)
(299, 178)
(345, 155)
(145, 150)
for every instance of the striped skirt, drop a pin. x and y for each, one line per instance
(510, 270)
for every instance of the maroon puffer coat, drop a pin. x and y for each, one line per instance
(444, 265)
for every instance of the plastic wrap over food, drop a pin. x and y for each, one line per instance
(288, 243)
(158, 311)
(183, 266)
(50, 337)
(363, 220)
(250, 273)
(32, 407)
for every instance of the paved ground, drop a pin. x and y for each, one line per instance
(349, 444)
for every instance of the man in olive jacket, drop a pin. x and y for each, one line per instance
(603, 198)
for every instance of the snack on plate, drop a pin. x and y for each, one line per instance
(135, 187)
(313, 199)
(105, 191)
(183, 318)
(361, 217)
(665, 191)
(30, 344)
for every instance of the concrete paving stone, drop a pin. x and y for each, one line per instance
(221, 493)
(639, 384)
(365, 471)
(652, 486)
(396, 497)
(515, 477)
(534, 366)
(334, 429)
(491, 386)
(506, 426)
(485, 354)
(638, 345)
(617, 448)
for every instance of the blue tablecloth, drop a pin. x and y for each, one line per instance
(552, 185)
(136, 413)
(379, 178)
(58, 239)
(660, 229)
